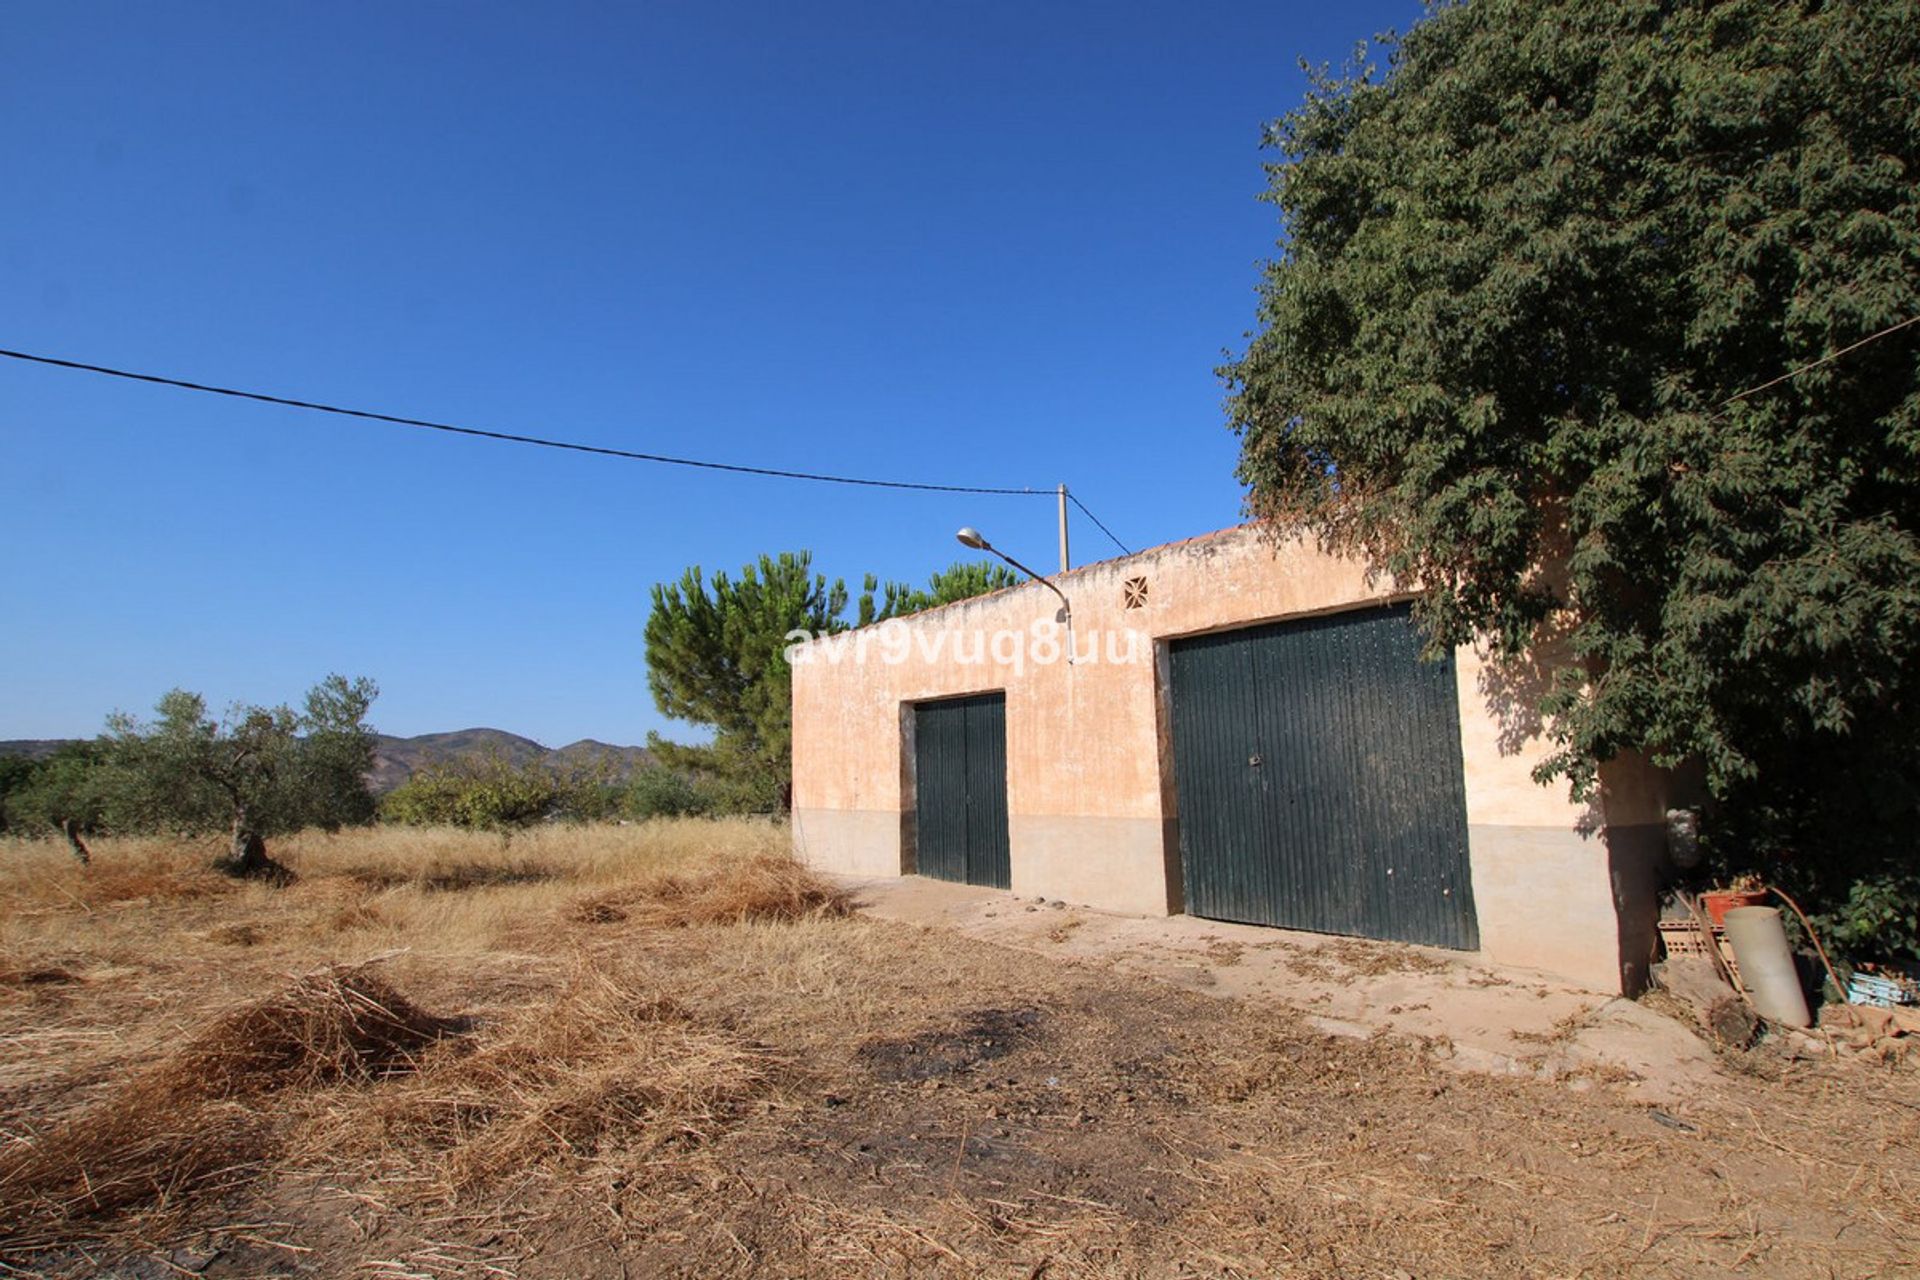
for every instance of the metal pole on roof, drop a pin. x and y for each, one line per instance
(1065, 564)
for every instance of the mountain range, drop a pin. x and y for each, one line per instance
(396, 759)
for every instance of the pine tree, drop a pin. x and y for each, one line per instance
(716, 656)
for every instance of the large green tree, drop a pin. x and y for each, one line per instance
(716, 656)
(262, 771)
(1543, 272)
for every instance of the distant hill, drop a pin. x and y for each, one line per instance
(396, 759)
(33, 748)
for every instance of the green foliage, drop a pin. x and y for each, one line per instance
(491, 793)
(480, 793)
(70, 786)
(17, 774)
(664, 793)
(716, 656)
(1880, 914)
(1530, 269)
(428, 798)
(592, 792)
(962, 580)
(262, 771)
(334, 755)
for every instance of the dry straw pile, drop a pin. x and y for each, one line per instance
(767, 887)
(608, 1067)
(194, 1121)
(341, 1064)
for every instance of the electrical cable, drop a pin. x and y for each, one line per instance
(1075, 499)
(544, 442)
(513, 437)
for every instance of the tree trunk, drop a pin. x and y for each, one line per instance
(247, 857)
(76, 840)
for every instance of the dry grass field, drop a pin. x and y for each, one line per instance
(663, 1050)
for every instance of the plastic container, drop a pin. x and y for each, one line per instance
(1877, 989)
(1766, 965)
(1718, 902)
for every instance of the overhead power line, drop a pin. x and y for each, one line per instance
(545, 443)
(1075, 499)
(513, 437)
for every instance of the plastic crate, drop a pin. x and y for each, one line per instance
(1884, 990)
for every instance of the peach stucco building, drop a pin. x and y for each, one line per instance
(1244, 733)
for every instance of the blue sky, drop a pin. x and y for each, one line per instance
(996, 244)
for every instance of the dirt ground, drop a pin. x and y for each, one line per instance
(619, 1094)
(1502, 1021)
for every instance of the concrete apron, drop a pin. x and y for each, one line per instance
(1499, 1021)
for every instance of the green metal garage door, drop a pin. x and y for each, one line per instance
(960, 790)
(1319, 775)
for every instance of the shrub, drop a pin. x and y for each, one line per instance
(665, 793)
(480, 794)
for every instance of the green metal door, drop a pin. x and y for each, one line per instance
(1320, 780)
(960, 790)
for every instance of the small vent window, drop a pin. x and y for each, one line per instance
(1134, 593)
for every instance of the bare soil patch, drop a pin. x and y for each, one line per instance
(982, 1036)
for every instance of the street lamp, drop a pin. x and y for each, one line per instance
(972, 537)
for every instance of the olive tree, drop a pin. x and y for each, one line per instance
(258, 772)
(71, 792)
